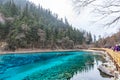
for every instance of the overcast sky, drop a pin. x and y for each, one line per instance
(84, 20)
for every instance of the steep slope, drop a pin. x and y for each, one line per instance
(30, 26)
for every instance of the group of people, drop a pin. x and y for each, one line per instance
(116, 47)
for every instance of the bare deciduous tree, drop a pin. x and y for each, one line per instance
(106, 8)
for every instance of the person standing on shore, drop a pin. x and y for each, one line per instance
(115, 48)
(118, 47)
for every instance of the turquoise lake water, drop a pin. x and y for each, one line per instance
(69, 65)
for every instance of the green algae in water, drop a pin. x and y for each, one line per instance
(73, 65)
(66, 71)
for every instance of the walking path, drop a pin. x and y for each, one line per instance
(115, 56)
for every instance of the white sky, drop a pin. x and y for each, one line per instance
(64, 8)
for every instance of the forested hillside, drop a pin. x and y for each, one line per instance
(25, 25)
(109, 41)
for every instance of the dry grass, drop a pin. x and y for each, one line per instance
(115, 55)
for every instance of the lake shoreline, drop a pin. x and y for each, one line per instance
(22, 51)
(29, 51)
(112, 57)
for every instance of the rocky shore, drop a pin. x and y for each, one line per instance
(109, 67)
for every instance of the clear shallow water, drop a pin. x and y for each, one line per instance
(72, 65)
